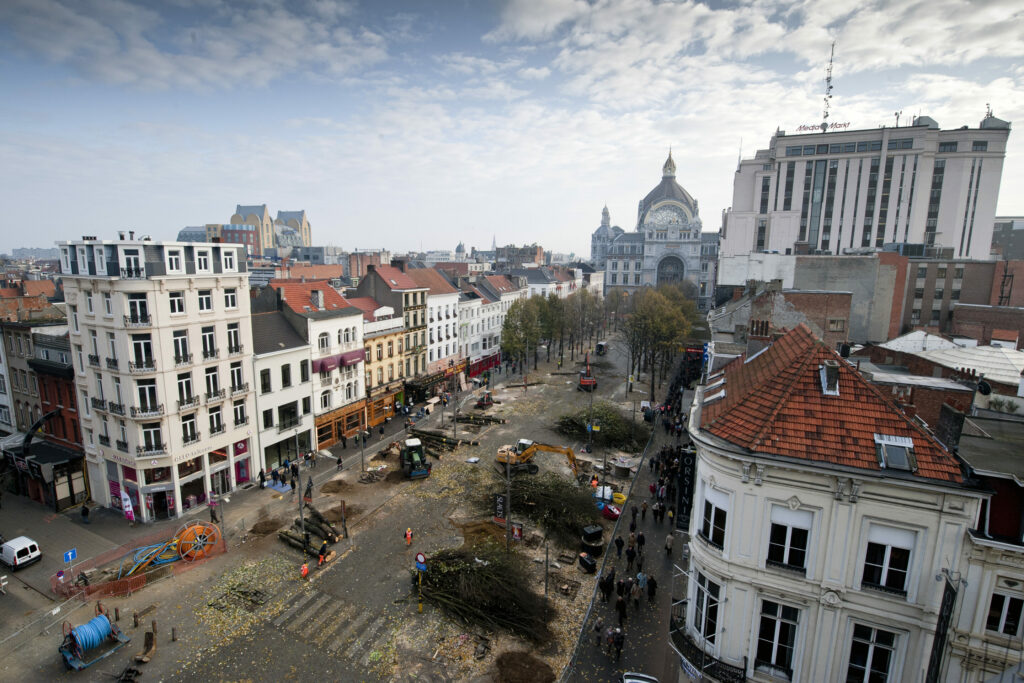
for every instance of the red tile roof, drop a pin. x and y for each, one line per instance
(366, 304)
(9, 293)
(37, 287)
(298, 295)
(774, 404)
(297, 269)
(1005, 335)
(432, 280)
(500, 283)
(395, 278)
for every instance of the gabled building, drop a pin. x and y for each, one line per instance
(821, 517)
(383, 333)
(442, 320)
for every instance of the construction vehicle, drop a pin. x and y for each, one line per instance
(588, 382)
(520, 456)
(414, 460)
(485, 401)
(601, 348)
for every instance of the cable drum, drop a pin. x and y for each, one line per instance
(92, 634)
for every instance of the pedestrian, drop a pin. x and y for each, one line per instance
(312, 460)
(382, 432)
(287, 465)
(641, 580)
(344, 441)
(669, 540)
(308, 495)
(295, 469)
(640, 541)
(273, 477)
(653, 489)
(620, 587)
(293, 485)
(322, 554)
(654, 512)
(652, 588)
(643, 511)
(263, 479)
(632, 526)
(635, 593)
(634, 510)
(339, 463)
(408, 536)
(85, 514)
(618, 546)
(661, 492)
(632, 540)
(620, 607)
(671, 513)
(213, 513)
(630, 558)
(620, 640)
(304, 572)
(639, 563)
(651, 463)
(599, 630)
(609, 638)
(609, 584)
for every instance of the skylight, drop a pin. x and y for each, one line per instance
(895, 452)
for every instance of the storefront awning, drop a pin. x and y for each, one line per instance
(352, 357)
(427, 381)
(325, 364)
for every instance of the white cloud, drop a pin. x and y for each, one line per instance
(531, 73)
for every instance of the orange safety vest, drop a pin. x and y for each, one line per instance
(305, 570)
(408, 536)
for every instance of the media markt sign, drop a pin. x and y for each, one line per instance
(499, 509)
(689, 668)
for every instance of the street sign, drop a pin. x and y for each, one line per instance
(420, 558)
(597, 428)
(421, 567)
(517, 531)
(70, 555)
(499, 509)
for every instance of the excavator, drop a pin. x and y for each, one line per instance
(588, 382)
(520, 456)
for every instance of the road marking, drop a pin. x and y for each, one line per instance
(308, 611)
(326, 610)
(342, 620)
(293, 609)
(369, 636)
(339, 642)
(381, 636)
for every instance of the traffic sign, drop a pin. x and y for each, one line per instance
(421, 558)
(70, 555)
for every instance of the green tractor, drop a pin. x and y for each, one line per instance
(414, 460)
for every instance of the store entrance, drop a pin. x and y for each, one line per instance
(160, 508)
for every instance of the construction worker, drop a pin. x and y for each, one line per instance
(322, 554)
(305, 570)
(408, 536)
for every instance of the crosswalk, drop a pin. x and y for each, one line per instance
(351, 633)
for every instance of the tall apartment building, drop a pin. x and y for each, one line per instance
(385, 372)
(442, 318)
(848, 190)
(391, 286)
(162, 352)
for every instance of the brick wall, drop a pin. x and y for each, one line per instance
(978, 322)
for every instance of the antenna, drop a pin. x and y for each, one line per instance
(828, 88)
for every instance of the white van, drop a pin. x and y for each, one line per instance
(20, 551)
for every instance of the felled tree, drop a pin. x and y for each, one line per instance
(557, 505)
(616, 430)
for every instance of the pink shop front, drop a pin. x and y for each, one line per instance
(165, 487)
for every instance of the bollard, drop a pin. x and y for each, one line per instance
(174, 635)
(117, 614)
(135, 619)
(154, 627)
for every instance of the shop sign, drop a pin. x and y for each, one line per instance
(156, 488)
(241, 447)
(499, 509)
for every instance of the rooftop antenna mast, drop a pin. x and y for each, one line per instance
(828, 89)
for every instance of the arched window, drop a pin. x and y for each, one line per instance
(348, 390)
(369, 377)
(380, 375)
(347, 335)
(324, 341)
(325, 399)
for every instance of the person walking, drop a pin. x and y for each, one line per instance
(273, 478)
(643, 511)
(85, 514)
(339, 463)
(322, 555)
(609, 638)
(599, 630)
(344, 441)
(669, 540)
(618, 546)
(635, 592)
(408, 536)
(263, 479)
(382, 432)
(620, 640)
(620, 607)
(639, 563)
(295, 469)
(634, 510)
(671, 514)
(652, 588)
(620, 587)
(630, 558)
(640, 541)
(294, 486)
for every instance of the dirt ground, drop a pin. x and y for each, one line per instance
(522, 667)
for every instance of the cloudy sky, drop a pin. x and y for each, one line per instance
(401, 124)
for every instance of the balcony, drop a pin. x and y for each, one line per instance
(190, 402)
(151, 410)
(115, 408)
(140, 320)
(122, 446)
(237, 389)
(103, 439)
(183, 359)
(142, 366)
(94, 360)
(219, 429)
(236, 349)
(215, 395)
(210, 354)
(133, 273)
(325, 381)
(324, 350)
(190, 438)
(112, 364)
(896, 592)
(151, 449)
(98, 403)
(710, 666)
(241, 421)
(287, 423)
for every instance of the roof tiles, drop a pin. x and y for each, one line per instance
(395, 278)
(774, 404)
(298, 296)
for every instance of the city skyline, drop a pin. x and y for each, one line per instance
(395, 125)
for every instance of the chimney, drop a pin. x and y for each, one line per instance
(131, 234)
(120, 235)
(317, 296)
(370, 268)
(831, 376)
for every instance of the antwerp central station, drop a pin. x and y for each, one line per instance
(664, 248)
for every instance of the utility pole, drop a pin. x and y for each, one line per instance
(362, 450)
(508, 503)
(302, 522)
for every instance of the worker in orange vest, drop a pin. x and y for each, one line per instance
(305, 570)
(408, 536)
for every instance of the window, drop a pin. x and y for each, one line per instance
(776, 638)
(307, 405)
(230, 298)
(979, 146)
(286, 375)
(177, 301)
(380, 352)
(181, 354)
(787, 540)
(325, 400)
(216, 420)
(152, 438)
(185, 393)
(887, 559)
(895, 452)
(239, 410)
(108, 306)
(88, 304)
(146, 390)
(111, 346)
(958, 273)
(203, 261)
(237, 379)
(234, 338)
(304, 371)
(323, 341)
(174, 260)
(212, 381)
(209, 339)
(706, 610)
(228, 261)
(922, 272)
(268, 418)
(636, 279)
(947, 146)
(712, 527)
(265, 387)
(189, 433)
(836, 325)
(1004, 614)
(205, 300)
(74, 318)
(871, 655)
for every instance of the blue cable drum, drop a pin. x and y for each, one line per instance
(92, 634)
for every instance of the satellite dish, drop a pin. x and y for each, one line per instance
(984, 388)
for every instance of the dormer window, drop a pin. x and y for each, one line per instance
(174, 261)
(895, 452)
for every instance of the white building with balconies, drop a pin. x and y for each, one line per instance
(162, 352)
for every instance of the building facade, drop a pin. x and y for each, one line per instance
(601, 239)
(391, 286)
(442, 318)
(845, 191)
(162, 352)
(383, 336)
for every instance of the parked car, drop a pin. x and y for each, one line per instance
(635, 677)
(19, 552)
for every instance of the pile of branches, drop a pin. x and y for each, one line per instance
(559, 506)
(486, 586)
(616, 431)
